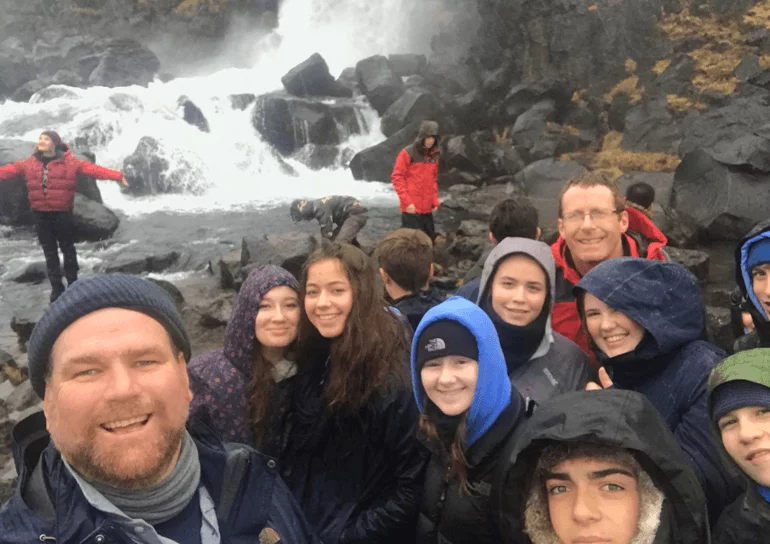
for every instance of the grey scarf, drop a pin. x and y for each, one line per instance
(165, 500)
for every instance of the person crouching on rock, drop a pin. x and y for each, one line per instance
(51, 174)
(415, 179)
(344, 211)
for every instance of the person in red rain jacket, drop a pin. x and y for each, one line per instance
(51, 174)
(415, 179)
(594, 226)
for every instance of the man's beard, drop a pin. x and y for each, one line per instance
(110, 469)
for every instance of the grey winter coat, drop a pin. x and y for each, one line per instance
(541, 362)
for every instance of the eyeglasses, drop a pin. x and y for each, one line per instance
(597, 215)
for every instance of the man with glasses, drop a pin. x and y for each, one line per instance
(595, 226)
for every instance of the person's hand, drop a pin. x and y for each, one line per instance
(411, 209)
(436, 207)
(604, 378)
(124, 182)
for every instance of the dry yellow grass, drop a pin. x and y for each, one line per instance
(629, 87)
(661, 66)
(189, 8)
(683, 104)
(759, 15)
(613, 159)
(578, 97)
(724, 47)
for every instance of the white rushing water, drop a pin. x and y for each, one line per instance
(231, 166)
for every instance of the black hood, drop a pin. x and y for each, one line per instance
(617, 418)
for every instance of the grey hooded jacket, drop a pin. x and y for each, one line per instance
(558, 365)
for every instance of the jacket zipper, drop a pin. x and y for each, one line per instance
(43, 538)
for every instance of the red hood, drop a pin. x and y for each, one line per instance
(638, 224)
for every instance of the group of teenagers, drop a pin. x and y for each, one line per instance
(335, 414)
(567, 395)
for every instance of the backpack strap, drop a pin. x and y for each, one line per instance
(235, 468)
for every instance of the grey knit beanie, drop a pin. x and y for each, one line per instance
(90, 295)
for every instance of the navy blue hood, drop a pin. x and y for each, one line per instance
(743, 274)
(663, 298)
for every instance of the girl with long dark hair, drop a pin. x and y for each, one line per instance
(352, 458)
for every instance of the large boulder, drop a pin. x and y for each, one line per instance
(312, 78)
(289, 123)
(379, 82)
(740, 117)
(33, 273)
(680, 229)
(16, 72)
(407, 64)
(289, 251)
(462, 153)
(749, 151)
(695, 261)
(132, 264)
(14, 202)
(124, 62)
(193, 115)
(149, 171)
(650, 127)
(525, 95)
(93, 221)
(584, 41)
(414, 105)
(477, 203)
(722, 199)
(546, 178)
(376, 163)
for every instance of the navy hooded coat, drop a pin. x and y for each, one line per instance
(672, 363)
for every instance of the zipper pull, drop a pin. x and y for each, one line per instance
(43, 538)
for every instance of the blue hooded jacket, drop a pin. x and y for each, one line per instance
(761, 336)
(672, 363)
(446, 514)
(493, 388)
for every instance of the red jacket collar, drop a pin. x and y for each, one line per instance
(638, 224)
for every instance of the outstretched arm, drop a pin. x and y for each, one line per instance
(92, 170)
(10, 171)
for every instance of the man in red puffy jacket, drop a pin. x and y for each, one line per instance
(594, 226)
(51, 174)
(415, 179)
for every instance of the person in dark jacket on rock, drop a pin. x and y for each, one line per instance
(739, 400)
(51, 174)
(752, 258)
(415, 179)
(122, 463)
(469, 411)
(406, 266)
(595, 226)
(599, 466)
(247, 386)
(352, 458)
(517, 293)
(511, 218)
(344, 211)
(647, 323)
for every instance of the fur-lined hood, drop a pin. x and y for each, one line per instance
(622, 419)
